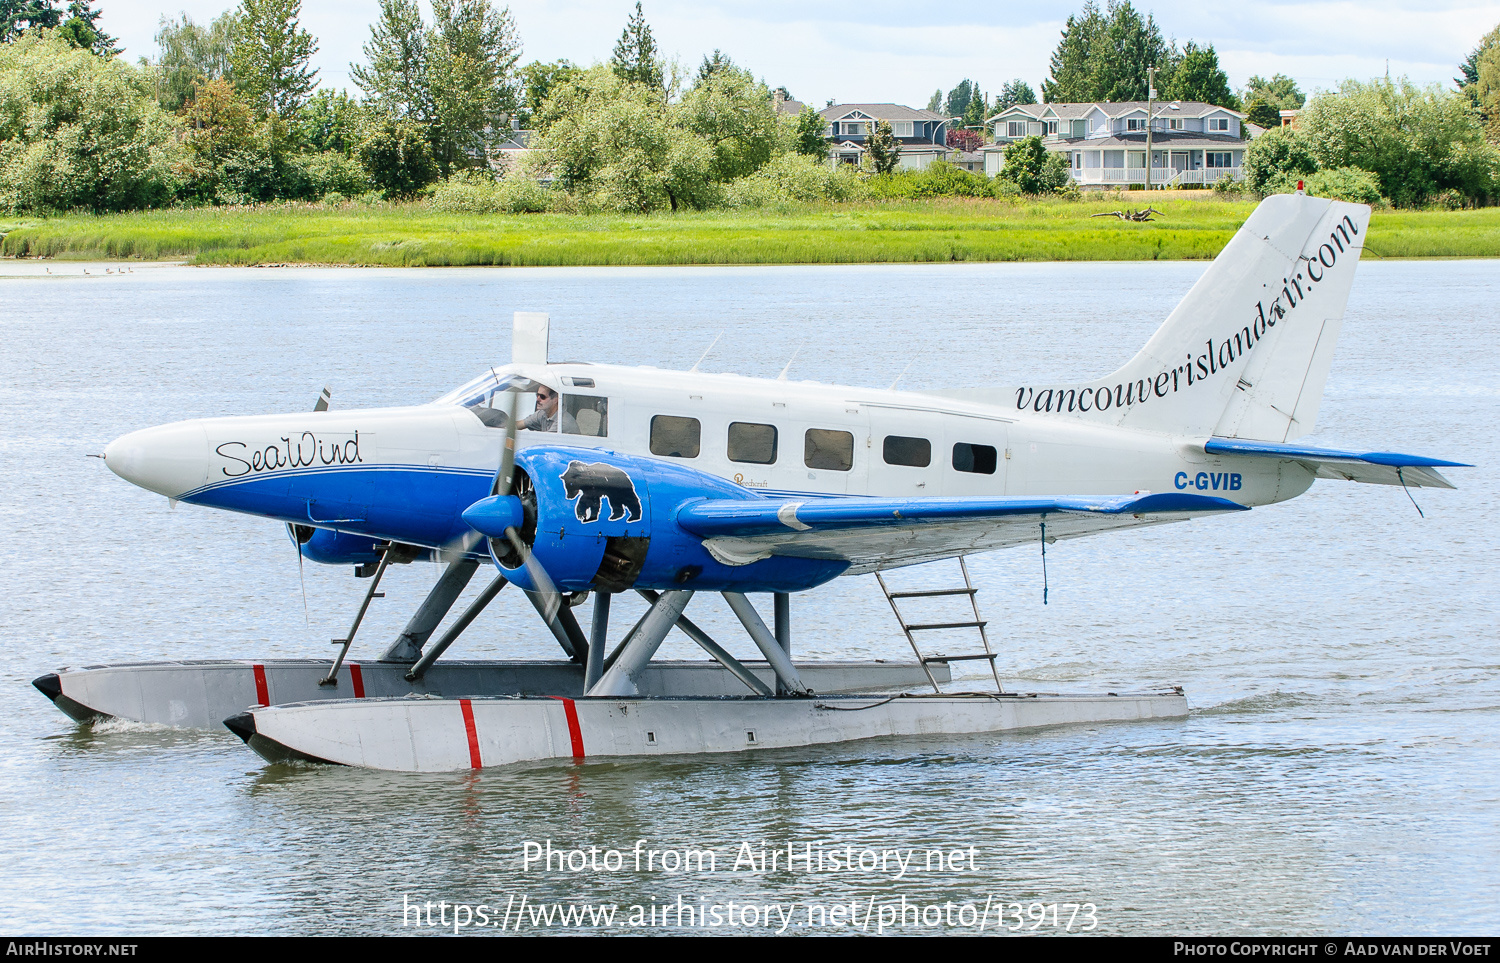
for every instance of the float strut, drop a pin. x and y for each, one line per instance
(713, 648)
(333, 674)
(782, 602)
(598, 632)
(457, 628)
(564, 627)
(408, 645)
(619, 679)
(786, 673)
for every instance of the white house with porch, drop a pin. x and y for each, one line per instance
(1105, 143)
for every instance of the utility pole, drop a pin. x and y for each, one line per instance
(1150, 99)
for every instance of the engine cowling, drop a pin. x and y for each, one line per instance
(603, 520)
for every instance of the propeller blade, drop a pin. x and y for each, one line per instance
(551, 599)
(508, 453)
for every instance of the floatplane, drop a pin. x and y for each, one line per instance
(672, 484)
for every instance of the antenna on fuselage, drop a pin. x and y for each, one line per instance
(705, 352)
(902, 374)
(782, 376)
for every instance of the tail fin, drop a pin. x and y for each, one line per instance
(1247, 352)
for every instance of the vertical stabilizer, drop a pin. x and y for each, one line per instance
(1247, 351)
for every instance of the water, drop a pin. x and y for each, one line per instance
(1338, 772)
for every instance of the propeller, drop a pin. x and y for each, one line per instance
(503, 511)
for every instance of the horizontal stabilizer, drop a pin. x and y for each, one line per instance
(1371, 467)
(873, 533)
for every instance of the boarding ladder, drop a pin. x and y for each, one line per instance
(911, 628)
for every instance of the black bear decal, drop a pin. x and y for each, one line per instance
(591, 484)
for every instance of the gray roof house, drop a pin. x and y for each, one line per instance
(922, 134)
(1191, 142)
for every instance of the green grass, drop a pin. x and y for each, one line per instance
(890, 231)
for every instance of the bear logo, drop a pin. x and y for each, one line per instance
(591, 484)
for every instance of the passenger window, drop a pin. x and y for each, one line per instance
(675, 437)
(752, 443)
(979, 459)
(823, 448)
(585, 415)
(915, 452)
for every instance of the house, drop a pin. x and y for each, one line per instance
(1105, 143)
(922, 134)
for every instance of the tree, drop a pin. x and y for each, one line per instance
(471, 80)
(1281, 92)
(19, 16)
(1419, 142)
(616, 143)
(935, 102)
(965, 140)
(538, 80)
(1104, 56)
(1468, 70)
(271, 57)
(396, 76)
(1487, 92)
(808, 137)
(332, 122)
(189, 53)
(80, 131)
(1197, 77)
(1033, 168)
(712, 65)
(958, 98)
(1279, 155)
(1015, 92)
(220, 124)
(397, 157)
(734, 114)
(974, 115)
(1262, 114)
(884, 150)
(635, 59)
(81, 29)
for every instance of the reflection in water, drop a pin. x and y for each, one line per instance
(1338, 772)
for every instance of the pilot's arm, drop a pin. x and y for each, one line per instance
(536, 421)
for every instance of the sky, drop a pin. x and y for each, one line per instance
(886, 52)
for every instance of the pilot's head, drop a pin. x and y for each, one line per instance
(546, 400)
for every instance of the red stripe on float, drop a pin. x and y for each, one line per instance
(473, 733)
(575, 732)
(262, 691)
(358, 678)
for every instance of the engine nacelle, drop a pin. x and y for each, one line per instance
(602, 520)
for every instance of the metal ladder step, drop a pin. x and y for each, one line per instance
(933, 593)
(928, 626)
(991, 656)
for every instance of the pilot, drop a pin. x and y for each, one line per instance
(545, 416)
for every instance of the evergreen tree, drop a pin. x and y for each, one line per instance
(1197, 77)
(634, 59)
(1104, 56)
(19, 16)
(958, 98)
(1015, 92)
(809, 138)
(935, 102)
(978, 109)
(712, 65)
(1262, 114)
(271, 57)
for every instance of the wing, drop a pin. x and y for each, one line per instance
(879, 533)
(1372, 467)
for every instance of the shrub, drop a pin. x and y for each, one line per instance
(795, 177)
(472, 192)
(1345, 184)
(330, 173)
(1275, 157)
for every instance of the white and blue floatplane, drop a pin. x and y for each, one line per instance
(670, 484)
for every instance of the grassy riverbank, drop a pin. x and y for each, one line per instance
(896, 231)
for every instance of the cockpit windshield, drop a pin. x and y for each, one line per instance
(537, 404)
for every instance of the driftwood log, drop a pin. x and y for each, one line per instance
(1131, 215)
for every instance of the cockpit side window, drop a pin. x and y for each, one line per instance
(586, 415)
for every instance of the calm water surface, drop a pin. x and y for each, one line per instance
(1339, 772)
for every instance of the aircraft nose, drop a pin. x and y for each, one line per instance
(169, 460)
